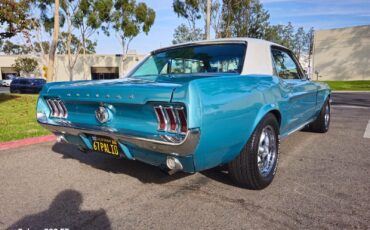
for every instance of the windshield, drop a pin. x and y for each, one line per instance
(216, 58)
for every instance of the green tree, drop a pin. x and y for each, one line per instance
(75, 46)
(309, 40)
(91, 15)
(51, 20)
(244, 18)
(11, 48)
(281, 34)
(258, 20)
(129, 19)
(42, 47)
(183, 34)
(25, 65)
(14, 17)
(216, 18)
(288, 36)
(299, 42)
(191, 11)
(79, 20)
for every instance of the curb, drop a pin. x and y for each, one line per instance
(350, 91)
(25, 142)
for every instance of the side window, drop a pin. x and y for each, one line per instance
(285, 66)
(23, 82)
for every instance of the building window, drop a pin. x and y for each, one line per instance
(100, 73)
(8, 72)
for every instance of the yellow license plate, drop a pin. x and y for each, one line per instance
(105, 145)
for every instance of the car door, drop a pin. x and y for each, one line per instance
(23, 85)
(300, 93)
(32, 88)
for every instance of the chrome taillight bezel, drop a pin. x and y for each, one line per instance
(57, 108)
(170, 114)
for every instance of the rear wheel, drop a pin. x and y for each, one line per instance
(255, 167)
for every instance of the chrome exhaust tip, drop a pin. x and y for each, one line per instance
(61, 139)
(173, 164)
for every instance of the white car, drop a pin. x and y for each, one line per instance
(8, 81)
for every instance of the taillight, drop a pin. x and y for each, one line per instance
(182, 118)
(171, 119)
(160, 117)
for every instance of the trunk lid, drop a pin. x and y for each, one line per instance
(131, 91)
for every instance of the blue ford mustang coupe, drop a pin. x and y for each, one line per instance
(194, 106)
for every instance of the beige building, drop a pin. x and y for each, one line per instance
(88, 67)
(342, 54)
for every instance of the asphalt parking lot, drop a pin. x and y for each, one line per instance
(4, 89)
(323, 181)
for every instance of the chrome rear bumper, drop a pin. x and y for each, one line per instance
(183, 147)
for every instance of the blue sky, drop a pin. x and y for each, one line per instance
(320, 14)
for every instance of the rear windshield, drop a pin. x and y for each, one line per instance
(215, 58)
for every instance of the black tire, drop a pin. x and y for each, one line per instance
(320, 125)
(244, 169)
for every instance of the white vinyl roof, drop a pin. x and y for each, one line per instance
(250, 41)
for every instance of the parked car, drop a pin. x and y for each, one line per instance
(6, 82)
(194, 106)
(27, 85)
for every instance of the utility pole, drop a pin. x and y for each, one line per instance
(208, 36)
(54, 43)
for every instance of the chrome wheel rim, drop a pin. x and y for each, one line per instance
(266, 151)
(327, 115)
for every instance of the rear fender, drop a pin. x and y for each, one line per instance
(264, 111)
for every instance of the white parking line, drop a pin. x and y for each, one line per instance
(367, 130)
(349, 106)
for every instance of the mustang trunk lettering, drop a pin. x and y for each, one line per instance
(193, 106)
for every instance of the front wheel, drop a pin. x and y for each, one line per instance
(322, 122)
(255, 167)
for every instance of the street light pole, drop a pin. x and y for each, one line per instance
(208, 36)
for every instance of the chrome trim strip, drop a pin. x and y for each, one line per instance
(65, 109)
(165, 119)
(50, 107)
(55, 109)
(183, 147)
(296, 129)
(61, 111)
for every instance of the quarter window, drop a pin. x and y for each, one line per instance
(285, 66)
